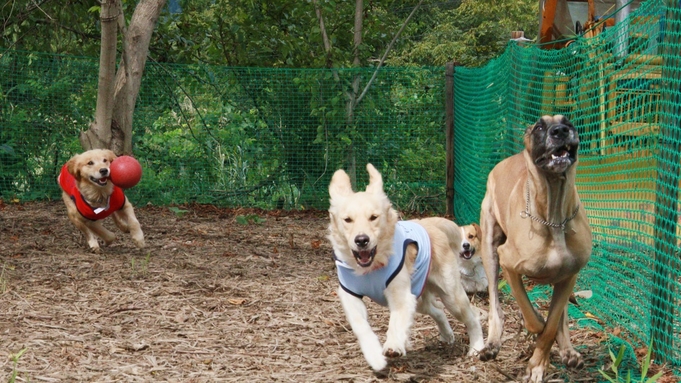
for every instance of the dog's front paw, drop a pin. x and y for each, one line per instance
(139, 243)
(536, 370)
(571, 358)
(490, 351)
(394, 351)
(447, 337)
(476, 348)
(377, 361)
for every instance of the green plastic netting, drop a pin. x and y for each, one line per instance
(272, 138)
(622, 90)
(259, 137)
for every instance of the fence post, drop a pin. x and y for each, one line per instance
(667, 192)
(449, 134)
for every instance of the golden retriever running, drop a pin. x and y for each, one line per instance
(404, 265)
(90, 197)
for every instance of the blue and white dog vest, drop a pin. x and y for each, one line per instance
(373, 284)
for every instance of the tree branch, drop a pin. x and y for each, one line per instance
(380, 64)
(325, 39)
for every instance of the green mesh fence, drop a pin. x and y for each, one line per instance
(259, 137)
(622, 90)
(272, 138)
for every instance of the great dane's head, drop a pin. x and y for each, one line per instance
(552, 144)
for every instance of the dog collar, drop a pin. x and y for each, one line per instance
(526, 213)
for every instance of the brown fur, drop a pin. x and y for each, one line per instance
(84, 166)
(522, 246)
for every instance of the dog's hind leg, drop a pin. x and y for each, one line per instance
(356, 313)
(430, 306)
(534, 322)
(456, 301)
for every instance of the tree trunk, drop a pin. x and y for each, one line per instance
(117, 134)
(350, 113)
(98, 136)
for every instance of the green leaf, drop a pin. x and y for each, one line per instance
(606, 376)
(655, 377)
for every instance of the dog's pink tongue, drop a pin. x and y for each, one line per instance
(365, 256)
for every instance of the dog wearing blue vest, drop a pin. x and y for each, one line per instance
(404, 265)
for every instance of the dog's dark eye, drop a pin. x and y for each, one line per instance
(90, 163)
(105, 160)
(470, 236)
(348, 220)
(373, 217)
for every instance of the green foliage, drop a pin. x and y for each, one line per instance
(267, 138)
(616, 364)
(15, 362)
(283, 33)
(50, 98)
(179, 212)
(470, 34)
(249, 219)
(139, 268)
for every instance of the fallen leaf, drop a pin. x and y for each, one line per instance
(316, 244)
(237, 302)
(591, 316)
(586, 294)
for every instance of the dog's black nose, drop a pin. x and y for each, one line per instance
(559, 131)
(362, 240)
(466, 246)
(104, 171)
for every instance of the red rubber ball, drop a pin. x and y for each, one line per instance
(126, 172)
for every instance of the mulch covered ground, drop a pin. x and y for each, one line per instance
(218, 295)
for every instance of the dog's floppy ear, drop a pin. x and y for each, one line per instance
(340, 186)
(375, 180)
(478, 231)
(110, 155)
(73, 168)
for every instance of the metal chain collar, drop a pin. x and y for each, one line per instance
(526, 213)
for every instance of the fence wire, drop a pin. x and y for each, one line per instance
(622, 90)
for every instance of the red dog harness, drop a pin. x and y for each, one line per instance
(68, 183)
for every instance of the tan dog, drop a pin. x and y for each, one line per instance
(90, 197)
(533, 224)
(405, 265)
(473, 275)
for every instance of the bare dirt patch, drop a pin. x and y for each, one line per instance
(218, 295)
